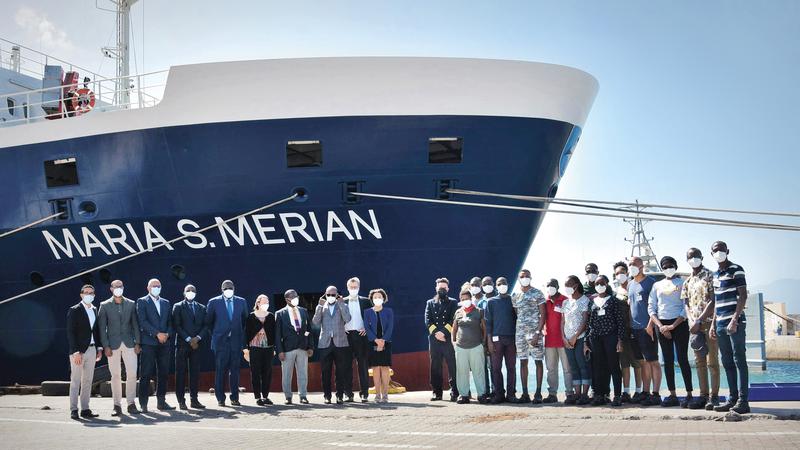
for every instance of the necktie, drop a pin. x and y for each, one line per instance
(230, 309)
(193, 311)
(296, 320)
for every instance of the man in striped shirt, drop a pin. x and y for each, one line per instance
(730, 295)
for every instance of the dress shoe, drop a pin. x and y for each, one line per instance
(288, 401)
(304, 400)
(163, 406)
(222, 403)
(74, 414)
(235, 403)
(117, 411)
(182, 406)
(196, 404)
(436, 397)
(88, 414)
(741, 407)
(132, 409)
(267, 402)
(260, 402)
(339, 400)
(350, 398)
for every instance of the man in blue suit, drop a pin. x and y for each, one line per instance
(155, 323)
(225, 315)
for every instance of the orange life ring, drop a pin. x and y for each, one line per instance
(82, 100)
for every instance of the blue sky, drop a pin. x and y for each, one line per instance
(699, 101)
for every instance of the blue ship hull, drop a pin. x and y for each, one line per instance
(147, 182)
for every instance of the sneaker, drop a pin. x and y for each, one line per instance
(364, 398)
(524, 398)
(636, 398)
(670, 400)
(712, 403)
(454, 397)
(741, 407)
(537, 398)
(511, 399)
(570, 400)
(644, 399)
(496, 400)
(483, 399)
(551, 398)
(617, 401)
(686, 400)
(74, 414)
(727, 405)
(462, 400)
(625, 397)
(350, 398)
(437, 396)
(583, 400)
(221, 403)
(655, 399)
(699, 402)
(304, 400)
(117, 411)
(599, 400)
(288, 401)
(339, 400)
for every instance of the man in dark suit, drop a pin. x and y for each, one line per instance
(293, 345)
(225, 316)
(189, 319)
(331, 315)
(440, 312)
(83, 336)
(155, 323)
(357, 338)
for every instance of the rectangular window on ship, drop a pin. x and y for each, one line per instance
(445, 150)
(303, 154)
(61, 172)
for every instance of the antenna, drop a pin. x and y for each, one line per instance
(640, 243)
(121, 53)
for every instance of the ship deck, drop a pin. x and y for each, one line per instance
(409, 421)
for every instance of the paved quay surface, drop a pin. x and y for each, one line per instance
(410, 420)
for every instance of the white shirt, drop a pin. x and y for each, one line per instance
(356, 321)
(92, 318)
(157, 303)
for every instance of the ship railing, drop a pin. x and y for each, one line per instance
(111, 94)
(34, 66)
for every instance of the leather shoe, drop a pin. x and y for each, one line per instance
(182, 406)
(132, 409)
(88, 414)
(117, 411)
(288, 401)
(304, 400)
(196, 404)
(350, 399)
(74, 414)
(163, 406)
(235, 403)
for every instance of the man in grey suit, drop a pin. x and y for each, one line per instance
(119, 334)
(332, 315)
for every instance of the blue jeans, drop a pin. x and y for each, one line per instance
(734, 358)
(581, 374)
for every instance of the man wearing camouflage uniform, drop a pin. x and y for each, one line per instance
(529, 303)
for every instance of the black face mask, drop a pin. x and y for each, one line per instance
(442, 293)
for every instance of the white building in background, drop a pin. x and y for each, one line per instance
(773, 324)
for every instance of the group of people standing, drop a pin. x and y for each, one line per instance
(146, 333)
(598, 331)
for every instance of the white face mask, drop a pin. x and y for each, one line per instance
(466, 303)
(190, 295)
(669, 273)
(634, 270)
(155, 291)
(720, 256)
(488, 289)
(295, 301)
(264, 307)
(551, 291)
(592, 277)
(228, 293)
(474, 290)
(88, 299)
(568, 291)
(600, 288)
(502, 288)
(118, 292)
(525, 282)
(622, 278)
(353, 292)
(331, 299)
(377, 301)
(694, 262)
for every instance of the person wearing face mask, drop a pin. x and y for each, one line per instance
(155, 325)
(698, 295)
(189, 318)
(293, 345)
(592, 272)
(331, 315)
(606, 332)
(639, 288)
(357, 337)
(476, 292)
(575, 312)
(554, 346)
(630, 356)
(730, 297)
(259, 333)
(439, 314)
(83, 336)
(379, 323)
(486, 287)
(469, 336)
(121, 338)
(668, 313)
(529, 313)
(501, 325)
(225, 316)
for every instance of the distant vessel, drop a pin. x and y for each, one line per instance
(135, 169)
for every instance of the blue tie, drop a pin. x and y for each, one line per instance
(230, 309)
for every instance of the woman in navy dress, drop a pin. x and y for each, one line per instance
(379, 323)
